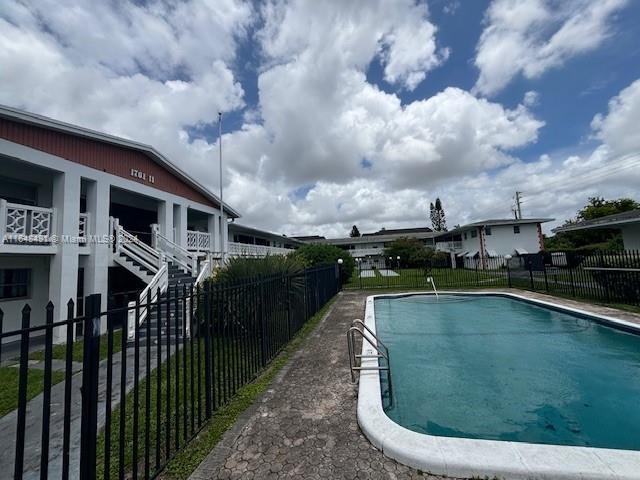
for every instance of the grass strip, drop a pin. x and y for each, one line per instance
(9, 380)
(186, 461)
(59, 351)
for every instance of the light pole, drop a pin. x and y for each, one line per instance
(340, 262)
(222, 218)
(398, 258)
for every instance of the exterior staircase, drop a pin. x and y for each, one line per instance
(177, 280)
(166, 268)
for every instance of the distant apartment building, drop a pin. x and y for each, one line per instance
(467, 245)
(368, 249)
(478, 241)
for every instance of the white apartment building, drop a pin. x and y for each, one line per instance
(475, 242)
(368, 250)
(83, 212)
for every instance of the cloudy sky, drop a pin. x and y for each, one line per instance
(350, 112)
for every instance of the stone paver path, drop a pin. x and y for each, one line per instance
(305, 425)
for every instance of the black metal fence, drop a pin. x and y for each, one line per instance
(609, 277)
(133, 403)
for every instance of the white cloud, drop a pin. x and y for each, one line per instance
(619, 129)
(150, 71)
(531, 99)
(529, 37)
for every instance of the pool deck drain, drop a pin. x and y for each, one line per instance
(305, 425)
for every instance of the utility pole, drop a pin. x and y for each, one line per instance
(518, 207)
(222, 218)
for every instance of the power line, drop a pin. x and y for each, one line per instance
(593, 176)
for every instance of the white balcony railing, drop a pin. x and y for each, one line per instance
(198, 241)
(248, 250)
(83, 227)
(25, 223)
(448, 246)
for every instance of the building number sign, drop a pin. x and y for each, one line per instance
(142, 176)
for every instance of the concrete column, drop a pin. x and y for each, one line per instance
(180, 224)
(225, 233)
(96, 271)
(212, 228)
(165, 219)
(63, 269)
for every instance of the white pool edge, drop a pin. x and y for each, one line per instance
(464, 457)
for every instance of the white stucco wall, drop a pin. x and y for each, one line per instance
(631, 236)
(38, 293)
(504, 241)
(470, 244)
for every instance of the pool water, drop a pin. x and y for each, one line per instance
(491, 367)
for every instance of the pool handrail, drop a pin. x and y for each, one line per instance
(355, 360)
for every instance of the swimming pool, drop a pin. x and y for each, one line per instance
(487, 384)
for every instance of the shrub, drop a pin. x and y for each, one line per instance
(242, 268)
(319, 254)
(412, 252)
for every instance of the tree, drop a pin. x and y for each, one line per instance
(354, 232)
(593, 239)
(599, 207)
(313, 254)
(438, 218)
(411, 251)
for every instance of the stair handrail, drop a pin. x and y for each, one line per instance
(175, 252)
(206, 269)
(136, 248)
(160, 281)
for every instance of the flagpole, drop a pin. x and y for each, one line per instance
(222, 218)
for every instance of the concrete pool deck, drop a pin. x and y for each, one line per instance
(305, 425)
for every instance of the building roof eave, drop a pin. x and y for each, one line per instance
(51, 124)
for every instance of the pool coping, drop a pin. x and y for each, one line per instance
(465, 457)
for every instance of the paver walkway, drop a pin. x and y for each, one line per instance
(305, 425)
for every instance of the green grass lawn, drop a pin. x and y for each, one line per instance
(9, 378)
(443, 278)
(60, 351)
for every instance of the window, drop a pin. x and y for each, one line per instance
(487, 230)
(14, 283)
(516, 229)
(474, 233)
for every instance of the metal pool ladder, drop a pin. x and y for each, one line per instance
(355, 359)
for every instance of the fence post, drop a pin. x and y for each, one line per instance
(508, 270)
(289, 319)
(89, 390)
(263, 324)
(529, 264)
(573, 287)
(22, 393)
(207, 347)
(546, 281)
